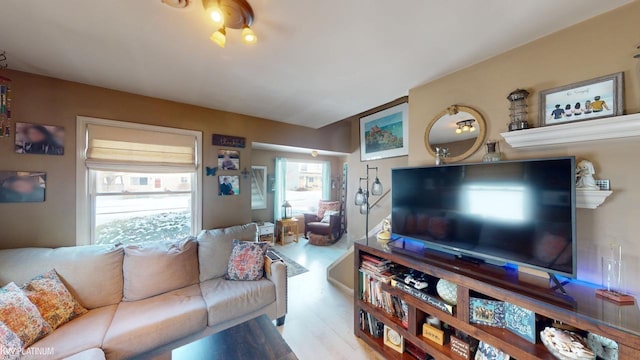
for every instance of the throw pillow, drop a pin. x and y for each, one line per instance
(328, 214)
(327, 205)
(21, 316)
(54, 301)
(247, 260)
(214, 248)
(157, 267)
(10, 344)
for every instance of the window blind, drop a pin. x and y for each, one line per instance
(108, 145)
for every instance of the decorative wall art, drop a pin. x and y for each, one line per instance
(39, 139)
(22, 186)
(228, 141)
(228, 159)
(385, 134)
(586, 100)
(229, 185)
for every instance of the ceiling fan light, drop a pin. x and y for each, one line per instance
(215, 13)
(248, 36)
(219, 37)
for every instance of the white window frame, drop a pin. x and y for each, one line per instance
(85, 197)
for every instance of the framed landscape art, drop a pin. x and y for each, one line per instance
(586, 100)
(385, 133)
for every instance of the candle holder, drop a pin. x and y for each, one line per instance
(612, 278)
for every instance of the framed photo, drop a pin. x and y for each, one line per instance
(228, 159)
(39, 139)
(393, 340)
(586, 100)
(520, 321)
(486, 312)
(229, 185)
(22, 186)
(385, 134)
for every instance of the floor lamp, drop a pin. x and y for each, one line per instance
(362, 196)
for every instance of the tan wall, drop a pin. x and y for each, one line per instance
(268, 158)
(357, 169)
(600, 46)
(46, 100)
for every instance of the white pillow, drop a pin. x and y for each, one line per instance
(328, 214)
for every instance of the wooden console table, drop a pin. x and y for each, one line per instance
(286, 226)
(583, 310)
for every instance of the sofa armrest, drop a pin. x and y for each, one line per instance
(278, 275)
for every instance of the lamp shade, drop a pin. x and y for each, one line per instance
(364, 209)
(249, 37)
(215, 13)
(376, 188)
(359, 197)
(219, 37)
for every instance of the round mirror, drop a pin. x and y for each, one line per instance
(458, 132)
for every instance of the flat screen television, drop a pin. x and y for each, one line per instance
(516, 212)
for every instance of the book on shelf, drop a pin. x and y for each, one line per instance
(372, 293)
(432, 300)
(371, 325)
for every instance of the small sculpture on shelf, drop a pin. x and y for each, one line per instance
(441, 154)
(584, 176)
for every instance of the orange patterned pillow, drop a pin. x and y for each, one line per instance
(21, 316)
(327, 205)
(55, 303)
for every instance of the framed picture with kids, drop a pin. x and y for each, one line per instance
(586, 100)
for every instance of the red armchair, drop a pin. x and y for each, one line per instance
(325, 224)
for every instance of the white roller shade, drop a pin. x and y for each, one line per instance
(120, 145)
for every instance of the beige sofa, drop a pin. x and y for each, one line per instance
(147, 299)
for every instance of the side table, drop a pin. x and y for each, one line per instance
(286, 226)
(266, 232)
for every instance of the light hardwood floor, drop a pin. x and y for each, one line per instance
(319, 323)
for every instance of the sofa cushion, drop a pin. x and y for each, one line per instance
(157, 267)
(83, 333)
(93, 274)
(91, 354)
(10, 343)
(246, 261)
(214, 248)
(228, 300)
(140, 326)
(55, 303)
(21, 316)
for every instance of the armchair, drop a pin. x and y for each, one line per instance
(328, 221)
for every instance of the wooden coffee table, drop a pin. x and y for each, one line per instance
(254, 339)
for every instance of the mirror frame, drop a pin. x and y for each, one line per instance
(263, 185)
(451, 110)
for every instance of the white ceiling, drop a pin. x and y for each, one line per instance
(316, 62)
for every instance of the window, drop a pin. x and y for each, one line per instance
(136, 182)
(303, 184)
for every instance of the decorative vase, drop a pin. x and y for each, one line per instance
(448, 291)
(493, 153)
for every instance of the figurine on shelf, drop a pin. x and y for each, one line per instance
(584, 175)
(441, 154)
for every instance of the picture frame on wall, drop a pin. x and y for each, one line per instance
(229, 185)
(585, 100)
(228, 159)
(39, 139)
(22, 186)
(385, 134)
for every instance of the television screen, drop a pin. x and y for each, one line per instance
(520, 212)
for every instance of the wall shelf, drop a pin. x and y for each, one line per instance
(617, 127)
(591, 199)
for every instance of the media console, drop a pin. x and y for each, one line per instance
(580, 309)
